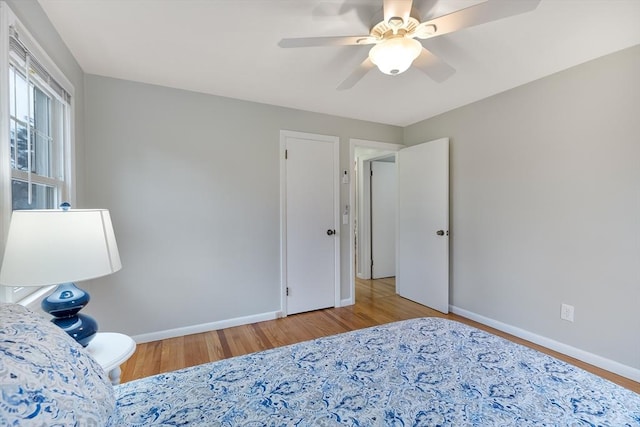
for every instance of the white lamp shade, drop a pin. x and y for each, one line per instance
(46, 247)
(395, 55)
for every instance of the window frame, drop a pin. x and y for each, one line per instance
(65, 185)
(58, 113)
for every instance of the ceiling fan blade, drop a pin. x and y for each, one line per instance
(490, 10)
(397, 8)
(327, 41)
(433, 66)
(362, 69)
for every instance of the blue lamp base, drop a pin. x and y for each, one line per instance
(63, 304)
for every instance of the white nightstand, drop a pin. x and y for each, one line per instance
(111, 350)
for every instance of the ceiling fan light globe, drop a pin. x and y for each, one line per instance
(394, 56)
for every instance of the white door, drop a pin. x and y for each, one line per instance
(423, 224)
(310, 242)
(384, 191)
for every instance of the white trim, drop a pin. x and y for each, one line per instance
(205, 327)
(585, 356)
(353, 143)
(5, 172)
(68, 192)
(31, 43)
(284, 134)
(283, 226)
(362, 256)
(337, 213)
(346, 302)
(33, 300)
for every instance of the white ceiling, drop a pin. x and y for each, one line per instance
(229, 48)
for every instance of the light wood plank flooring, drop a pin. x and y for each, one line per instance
(376, 303)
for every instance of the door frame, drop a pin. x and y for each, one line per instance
(353, 143)
(284, 134)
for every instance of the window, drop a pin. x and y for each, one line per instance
(36, 145)
(37, 178)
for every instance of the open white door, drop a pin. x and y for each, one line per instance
(423, 224)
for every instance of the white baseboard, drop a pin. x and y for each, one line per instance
(206, 327)
(346, 302)
(585, 356)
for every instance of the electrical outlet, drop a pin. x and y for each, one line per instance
(566, 312)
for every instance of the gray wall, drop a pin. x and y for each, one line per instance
(33, 17)
(192, 183)
(545, 205)
(545, 199)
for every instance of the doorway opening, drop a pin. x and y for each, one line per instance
(375, 214)
(374, 292)
(363, 154)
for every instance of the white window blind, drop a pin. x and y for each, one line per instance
(19, 49)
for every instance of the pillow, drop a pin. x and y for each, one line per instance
(46, 378)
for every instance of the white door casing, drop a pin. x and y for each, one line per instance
(384, 190)
(309, 208)
(423, 210)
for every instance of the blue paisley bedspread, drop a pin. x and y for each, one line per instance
(421, 372)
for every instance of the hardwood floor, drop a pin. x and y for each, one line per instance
(376, 303)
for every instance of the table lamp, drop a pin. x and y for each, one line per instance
(46, 247)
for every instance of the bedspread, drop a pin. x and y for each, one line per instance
(420, 372)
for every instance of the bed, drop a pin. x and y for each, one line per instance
(420, 372)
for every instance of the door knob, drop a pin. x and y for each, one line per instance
(440, 232)
(331, 232)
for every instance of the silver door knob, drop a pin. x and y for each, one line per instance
(440, 232)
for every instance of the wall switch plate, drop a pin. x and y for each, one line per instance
(566, 312)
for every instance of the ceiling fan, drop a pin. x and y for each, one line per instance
(395, 39)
